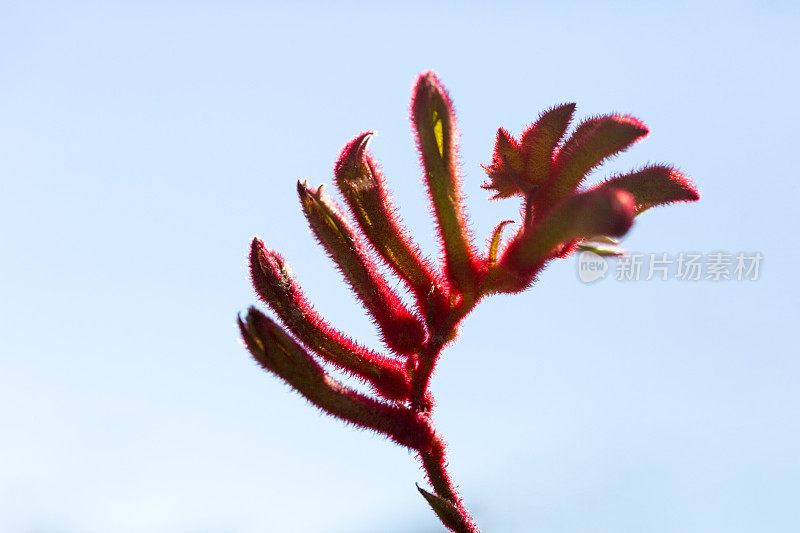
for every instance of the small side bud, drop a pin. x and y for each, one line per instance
(361, 183)
(494, 242)
(277, 287)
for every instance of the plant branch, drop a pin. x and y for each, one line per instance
(429, 355)
(452, 512)
(455, 516)
(557, 215)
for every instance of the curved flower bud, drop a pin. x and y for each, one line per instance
(277, 287)
(278, 353)
(364, 189)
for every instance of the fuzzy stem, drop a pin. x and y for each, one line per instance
(439, 336)
(435, 467)
(433, 457)
(435, 464)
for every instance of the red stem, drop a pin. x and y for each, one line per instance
(433, 458)
(429, 355)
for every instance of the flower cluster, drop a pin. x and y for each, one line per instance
(557, 216)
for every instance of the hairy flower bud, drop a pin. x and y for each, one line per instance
(277, 287)
(364, 189)
(278, 353)
(401, 330)
(437, 139)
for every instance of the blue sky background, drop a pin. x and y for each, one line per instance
(143, 144)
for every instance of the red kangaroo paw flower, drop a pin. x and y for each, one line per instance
(278, 353)
(557, 218)
(277, 287)
(401, 330)
(361, 183)
(437, 139)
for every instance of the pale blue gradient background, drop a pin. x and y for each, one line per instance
(143, 144)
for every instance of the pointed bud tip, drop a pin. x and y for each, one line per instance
(248, 328)
(352, 155)
(257, 244)
(504, 136)
(428, 77)
(308, 192)
(692, 194)
(253, 312)
(257, 249)
(567, 108)
(451, 516)
(305, 195)
(263, 261)
(426, 90)
(634, 123)
(359, 142)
